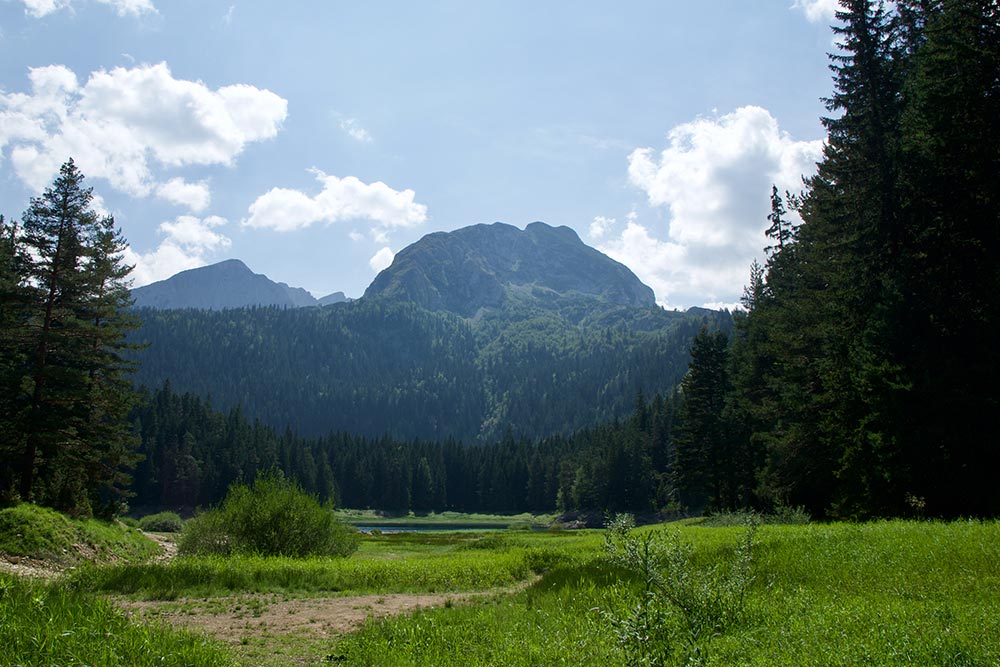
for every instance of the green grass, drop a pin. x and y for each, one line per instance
(44, 625)
(891, 593)
(375, 518)
(884, 593)
(36, 532)
(433, 563)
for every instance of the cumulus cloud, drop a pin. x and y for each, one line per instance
(188, 242)
(818, 11)
(600, 226)
(381, 260)
(40, 8)
(714, 181)
(195, 196)
(340, 199)
(355, 131)
(120, 125)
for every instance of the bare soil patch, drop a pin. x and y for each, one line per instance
(23, 566)
(234, 619)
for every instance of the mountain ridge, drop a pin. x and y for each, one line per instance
(226, 284)
(479, 266)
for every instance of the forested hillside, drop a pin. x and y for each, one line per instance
(380, 367)
(192, 453)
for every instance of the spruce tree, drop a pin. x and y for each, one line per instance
(75, 439)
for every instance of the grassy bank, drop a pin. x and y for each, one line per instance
(40, 533)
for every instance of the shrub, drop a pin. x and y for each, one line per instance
(273, 517)
(162, 522)
(681, 607)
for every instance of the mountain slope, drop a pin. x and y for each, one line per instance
(469, 334)
(485, 266)
(228, 284)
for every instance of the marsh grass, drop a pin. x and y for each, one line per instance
(44, 624)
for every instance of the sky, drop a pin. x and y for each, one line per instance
(315, 139)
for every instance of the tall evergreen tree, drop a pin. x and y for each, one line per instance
(72, 431)
(703, 465)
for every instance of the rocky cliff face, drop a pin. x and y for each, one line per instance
(228, 284)
(481, 266)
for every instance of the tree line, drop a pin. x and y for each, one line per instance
(863, 378)
(384, 367)
(65, 394)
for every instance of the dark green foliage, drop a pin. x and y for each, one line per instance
(64, 295)
(193, 454)
(866, 369)
(273, 517)
(162, 522)
(378, 367)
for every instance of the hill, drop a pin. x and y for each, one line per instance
(228, 284)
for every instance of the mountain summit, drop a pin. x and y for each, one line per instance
(483, 265)
(228, 284)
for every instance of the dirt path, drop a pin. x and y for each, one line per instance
(235, 619)
(28, 567)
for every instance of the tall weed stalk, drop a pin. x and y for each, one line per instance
(681, 607)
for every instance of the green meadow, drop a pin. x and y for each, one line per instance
(882, 593)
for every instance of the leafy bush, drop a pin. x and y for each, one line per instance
(274, 517)
(162, 522)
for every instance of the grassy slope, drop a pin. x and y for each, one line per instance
(44, 624)
(36, 532)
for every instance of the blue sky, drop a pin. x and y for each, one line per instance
(314, 139)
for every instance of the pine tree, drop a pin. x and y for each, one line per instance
(704, 466)
(76, 397)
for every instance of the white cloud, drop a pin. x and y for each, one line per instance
(188, 242)
(381, 260)
(355, 131)
(122, 124)
(132, 7)
(714, 181)
(40, 8)
(345, 198)
(356, 236)
(195, 196)
(818, 11)
(600, 226)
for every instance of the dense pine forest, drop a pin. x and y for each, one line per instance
(862, 379)
(380, 367)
